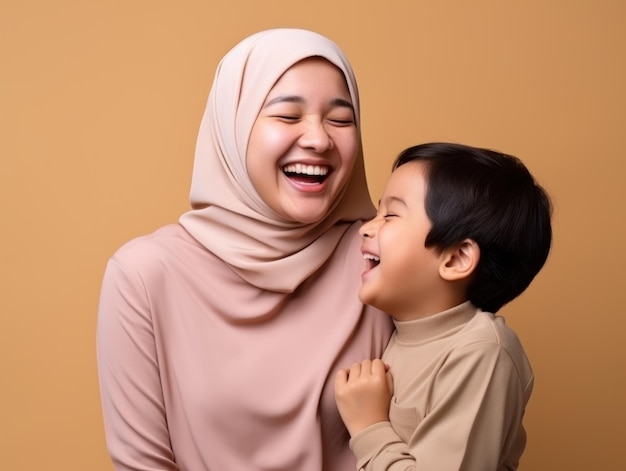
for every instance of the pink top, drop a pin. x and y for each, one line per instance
(219, 337)
(197, 377)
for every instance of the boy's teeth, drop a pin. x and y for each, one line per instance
(368, 256)
(302, 169)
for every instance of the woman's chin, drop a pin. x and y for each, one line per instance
(307, 214)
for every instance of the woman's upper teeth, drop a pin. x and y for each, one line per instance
(304, 169)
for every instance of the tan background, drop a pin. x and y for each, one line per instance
(100, 103)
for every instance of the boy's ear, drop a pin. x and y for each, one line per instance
(459, 262)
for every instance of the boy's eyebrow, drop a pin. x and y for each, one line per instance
(391, 199)
(299, 100)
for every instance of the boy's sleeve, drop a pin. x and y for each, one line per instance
(474, 419)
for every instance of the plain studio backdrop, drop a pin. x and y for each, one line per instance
(100, 104)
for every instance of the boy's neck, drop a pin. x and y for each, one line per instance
(430, 307)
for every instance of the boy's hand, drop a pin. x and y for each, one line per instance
(363, 393)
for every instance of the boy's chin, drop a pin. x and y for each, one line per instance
(367, 298)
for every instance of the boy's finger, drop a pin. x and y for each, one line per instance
(355, 371)
(378, 367)
(341, 376)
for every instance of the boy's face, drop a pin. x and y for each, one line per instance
(402, 275)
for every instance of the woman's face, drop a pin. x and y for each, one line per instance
(304, 142)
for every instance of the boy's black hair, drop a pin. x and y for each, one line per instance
(493, 199)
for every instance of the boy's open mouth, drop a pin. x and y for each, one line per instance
(371, 261)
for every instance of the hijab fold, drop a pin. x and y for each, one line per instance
(227, 215)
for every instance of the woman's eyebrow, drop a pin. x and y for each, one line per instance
(299, 100)
(343, 103)
(284, 99)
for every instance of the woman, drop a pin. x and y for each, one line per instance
(219, 337)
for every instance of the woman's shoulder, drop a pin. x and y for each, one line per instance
(167, 244)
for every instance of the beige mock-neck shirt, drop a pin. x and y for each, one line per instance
(461, 383)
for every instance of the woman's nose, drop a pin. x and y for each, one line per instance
(316, 137)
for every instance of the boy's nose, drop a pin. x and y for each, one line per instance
(369, 228)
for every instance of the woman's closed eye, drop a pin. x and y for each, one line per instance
(341, 117)
(341, 122)
(287, 118)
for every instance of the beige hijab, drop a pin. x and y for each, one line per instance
(228, 217)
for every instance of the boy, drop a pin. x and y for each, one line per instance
(460, 231)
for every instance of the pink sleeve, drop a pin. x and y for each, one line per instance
(132, 399)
